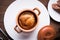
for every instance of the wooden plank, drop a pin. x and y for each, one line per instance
(5, 2)
(3, 9)
(45, 2)
(1, 18)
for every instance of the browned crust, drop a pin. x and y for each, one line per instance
(43, 33)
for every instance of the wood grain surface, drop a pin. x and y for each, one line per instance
(5, 3)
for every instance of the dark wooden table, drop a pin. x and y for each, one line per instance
(5, 3)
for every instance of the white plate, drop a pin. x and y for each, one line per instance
(55, 15)
(12, 11)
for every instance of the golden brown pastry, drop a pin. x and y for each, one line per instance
(27, 20)
(46, 33)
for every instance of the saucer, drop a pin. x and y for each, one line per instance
(13, 10)
(54, 15)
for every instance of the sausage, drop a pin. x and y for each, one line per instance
(56, 7)
(58, 2)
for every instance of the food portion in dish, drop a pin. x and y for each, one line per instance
(27, 20)
(56, 6)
